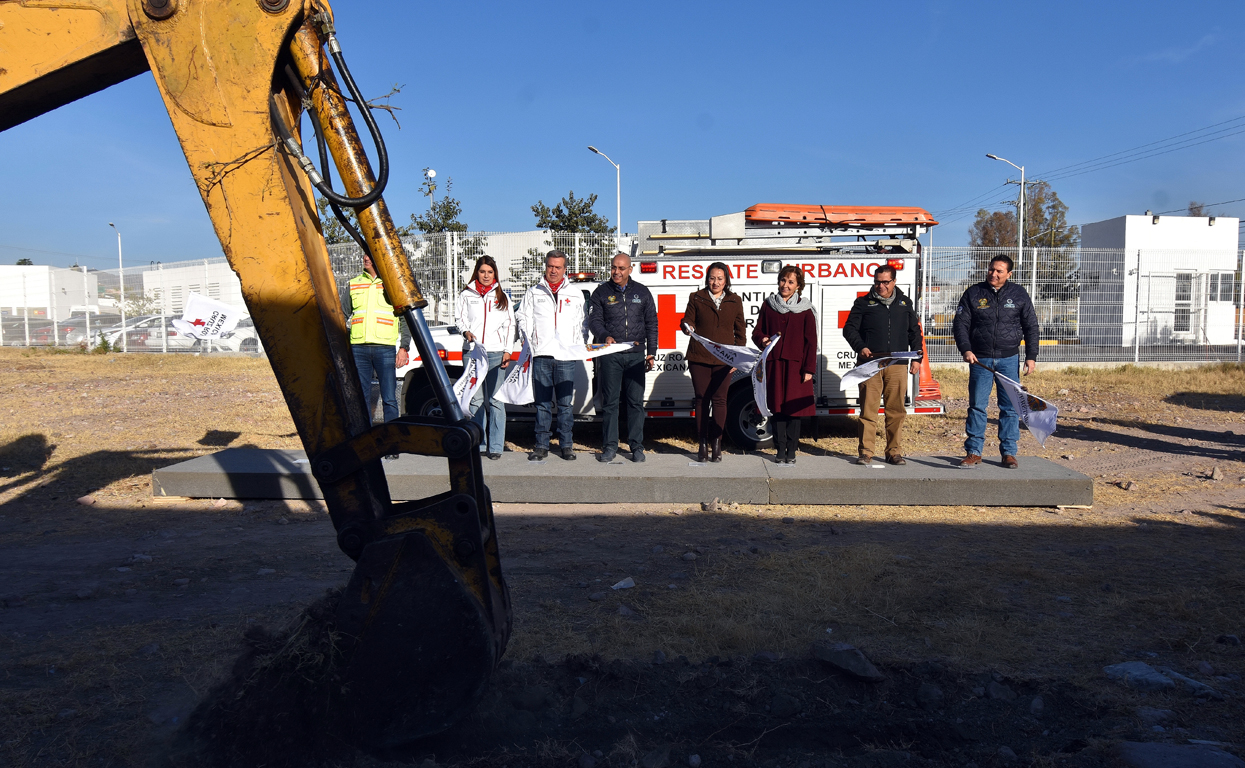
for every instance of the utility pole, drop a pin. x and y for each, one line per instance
(125, 343)
(1020, 224)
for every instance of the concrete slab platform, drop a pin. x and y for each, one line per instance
(252, 473)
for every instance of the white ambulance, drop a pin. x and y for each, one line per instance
(837, 247)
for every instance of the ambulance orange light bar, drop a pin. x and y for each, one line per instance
(896, 263)
(648, 267)
(860, 215)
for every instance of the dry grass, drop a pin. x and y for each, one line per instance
(975, 587)
(1026, 592)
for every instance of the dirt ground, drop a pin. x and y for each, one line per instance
(991, 625)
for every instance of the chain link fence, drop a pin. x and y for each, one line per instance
(443, 262)
(1094, 305)
(56, 306)
(1100, 305)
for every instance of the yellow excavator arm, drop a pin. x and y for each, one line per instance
(426, 614)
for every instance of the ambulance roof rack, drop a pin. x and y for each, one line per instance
(769, 214)
(799, 228)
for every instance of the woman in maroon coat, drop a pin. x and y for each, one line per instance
(789, 367)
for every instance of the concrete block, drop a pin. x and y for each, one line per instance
(251, 473)
(928, 480)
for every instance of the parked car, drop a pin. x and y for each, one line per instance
(243, 338)
(74, 330)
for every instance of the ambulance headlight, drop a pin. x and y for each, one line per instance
(771, 267)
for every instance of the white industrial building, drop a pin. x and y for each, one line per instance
(47, 293)
(171, 286)
(1159, 280)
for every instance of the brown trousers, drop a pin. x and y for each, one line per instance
(889, 385)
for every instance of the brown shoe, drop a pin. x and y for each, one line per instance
(971, 460)
(1010, 462)
(864, 461)
(896, 459)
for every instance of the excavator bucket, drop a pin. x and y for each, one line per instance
(425, 617)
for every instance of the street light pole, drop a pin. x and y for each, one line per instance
(618, 192)
(125, 345)
(1020, 218)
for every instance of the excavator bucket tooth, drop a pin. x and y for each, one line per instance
(421, 645)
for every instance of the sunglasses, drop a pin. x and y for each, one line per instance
(883, 282)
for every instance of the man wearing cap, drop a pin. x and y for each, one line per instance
(552, 317)
(622, 310)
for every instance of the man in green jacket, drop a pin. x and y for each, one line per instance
(374, 334)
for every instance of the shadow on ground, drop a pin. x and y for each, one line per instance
(970, 623)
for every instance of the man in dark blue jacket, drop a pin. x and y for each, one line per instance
(622, 310)
(992, 319)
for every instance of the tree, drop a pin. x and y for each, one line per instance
(144, 304)
(995, 229)
(1049, 241)
(1046, 223)
(334, 232)
(571, 215)
(428, 254)
(25, 263)
(442, 215)
(1197, 209)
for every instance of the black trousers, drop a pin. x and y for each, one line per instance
(621, 375)
(786, 435)
(710, 382)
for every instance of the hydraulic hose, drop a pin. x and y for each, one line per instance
(318, 130)
(382, 154)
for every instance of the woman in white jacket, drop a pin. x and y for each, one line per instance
(484, 314)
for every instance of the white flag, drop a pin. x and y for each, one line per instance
(758, 378)
(865, 371)
(206, 318)
(1038, 414)
(741, 358)
(589, 351)
(517, 387)
(475, 368)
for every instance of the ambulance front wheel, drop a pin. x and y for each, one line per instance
(747, 428)
(422, 401)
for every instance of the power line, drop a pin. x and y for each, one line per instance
(54, 253)
(1132, 158)
(1143, 146)
(967, 203)
(1207, 205)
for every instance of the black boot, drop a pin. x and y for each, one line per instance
(717, 449)
(703, 454)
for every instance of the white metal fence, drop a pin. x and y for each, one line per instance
(443, 262)
(1099, 305)
(1094, 305)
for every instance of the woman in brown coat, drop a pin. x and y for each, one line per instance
(790, 366)
(718, 315)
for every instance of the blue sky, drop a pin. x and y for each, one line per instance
(709, 108)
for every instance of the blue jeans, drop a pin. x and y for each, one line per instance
(491, 415)
(621, 375)
(979, 383)
(379, 360)
(553, 380)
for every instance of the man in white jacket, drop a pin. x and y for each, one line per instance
(552, 316)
